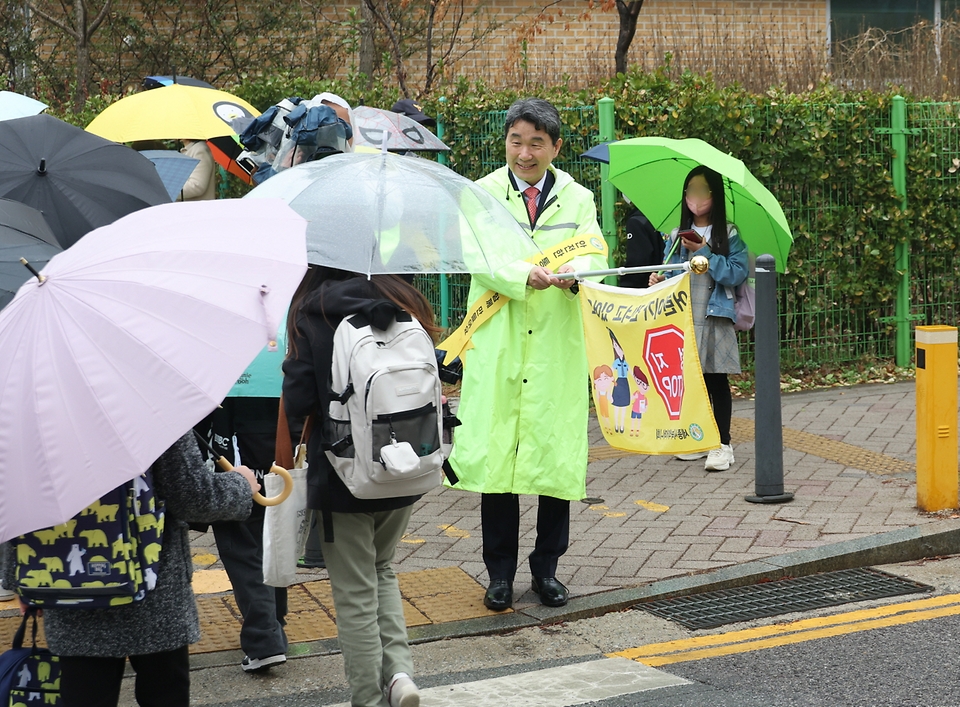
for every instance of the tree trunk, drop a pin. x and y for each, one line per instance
(83, 55)
(367, 47)
(628, 12)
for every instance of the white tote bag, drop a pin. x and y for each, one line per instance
(286, 525)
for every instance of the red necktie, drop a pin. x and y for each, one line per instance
(532, 193)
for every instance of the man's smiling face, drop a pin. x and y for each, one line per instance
(530, 151)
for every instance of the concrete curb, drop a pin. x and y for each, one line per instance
(904, 545)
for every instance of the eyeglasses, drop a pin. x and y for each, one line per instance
(697, 191)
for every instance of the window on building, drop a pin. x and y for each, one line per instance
(849, 18)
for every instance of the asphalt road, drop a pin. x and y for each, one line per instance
(915, 664)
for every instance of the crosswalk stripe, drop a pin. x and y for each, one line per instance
(562, 686)
(795, 632)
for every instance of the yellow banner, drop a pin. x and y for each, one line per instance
(490, 302)
(648, 389)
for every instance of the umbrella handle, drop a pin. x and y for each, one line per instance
(259, 497)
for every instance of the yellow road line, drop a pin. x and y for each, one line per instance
(794, 632)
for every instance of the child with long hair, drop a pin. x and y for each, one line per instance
(703, 220)
(359, 553)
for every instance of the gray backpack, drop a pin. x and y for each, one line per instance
(383, 431)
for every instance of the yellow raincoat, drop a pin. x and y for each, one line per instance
(524, 393)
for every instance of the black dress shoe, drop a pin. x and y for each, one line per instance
(499, 595)
(551, 591)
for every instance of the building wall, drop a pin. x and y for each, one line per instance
(713, 35)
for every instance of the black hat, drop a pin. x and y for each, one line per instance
(411, 109)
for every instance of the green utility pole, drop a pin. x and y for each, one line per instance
(898, 141)
(608, 193)
(444, 283)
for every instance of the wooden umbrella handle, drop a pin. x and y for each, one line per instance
(259, 497)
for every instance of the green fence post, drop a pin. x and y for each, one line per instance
(608, 193)
(898, 140)
(444, 283)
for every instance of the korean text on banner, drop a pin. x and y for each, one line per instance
(648, 389)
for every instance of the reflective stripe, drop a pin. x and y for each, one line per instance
(554, 227)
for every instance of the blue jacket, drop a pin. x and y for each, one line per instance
(727, 271)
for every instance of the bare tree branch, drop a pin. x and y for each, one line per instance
(394, 46)
(66, 29)
(98, 20)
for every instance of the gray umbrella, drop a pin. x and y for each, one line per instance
(23, 234)
(77, 180)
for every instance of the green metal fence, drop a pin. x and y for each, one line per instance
(823, 318)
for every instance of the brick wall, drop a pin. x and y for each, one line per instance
(700, 34)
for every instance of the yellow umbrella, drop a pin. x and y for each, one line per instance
(171, 113)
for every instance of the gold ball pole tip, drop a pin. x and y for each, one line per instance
(699, 264)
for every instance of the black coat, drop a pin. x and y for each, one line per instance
(644, 247)
(306, 386)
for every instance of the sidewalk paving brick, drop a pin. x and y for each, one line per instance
(849, 456)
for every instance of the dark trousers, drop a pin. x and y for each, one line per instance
(163, 680)
(240, 543)
(500, 520)
(721, 400)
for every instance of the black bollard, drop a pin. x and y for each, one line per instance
(768, 427)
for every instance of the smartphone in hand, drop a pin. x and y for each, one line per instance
(690, 238)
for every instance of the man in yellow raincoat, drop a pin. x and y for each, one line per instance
(524, 395)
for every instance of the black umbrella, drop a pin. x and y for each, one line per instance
(23, 234)
(77, 180)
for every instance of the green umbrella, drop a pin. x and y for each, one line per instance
(651, 171)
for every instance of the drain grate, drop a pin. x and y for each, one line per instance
(727, 606)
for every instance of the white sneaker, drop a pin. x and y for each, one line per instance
(719, 459)
(6, 594)
(255, 665)
(690, 457)
(402, 691)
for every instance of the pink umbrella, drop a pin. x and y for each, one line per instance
(129, 338)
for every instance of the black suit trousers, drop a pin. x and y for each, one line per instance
(500, 520)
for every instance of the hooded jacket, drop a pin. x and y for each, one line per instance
(524, 394)
(306, 384)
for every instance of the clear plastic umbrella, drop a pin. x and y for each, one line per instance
(372, 127)
(387, 213)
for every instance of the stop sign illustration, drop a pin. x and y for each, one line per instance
(663, 353)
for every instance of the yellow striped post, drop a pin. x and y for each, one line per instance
(936, 418)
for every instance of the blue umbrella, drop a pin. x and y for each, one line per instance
(173, 167)
(14, 105)
(600, 153)
(158, 81)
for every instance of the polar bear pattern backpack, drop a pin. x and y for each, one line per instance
(382, 435)
(106, 555)
(29, 675)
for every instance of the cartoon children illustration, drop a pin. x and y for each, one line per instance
(639, 400)
(603, 383)
(621, 389)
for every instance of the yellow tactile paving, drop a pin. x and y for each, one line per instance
(9, 626)
(429, 597)
(219, 625)
(742, 430)
(211, 582)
